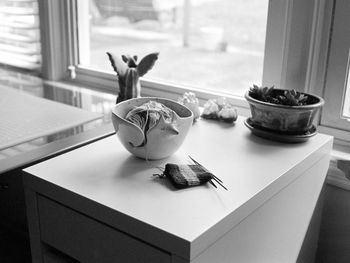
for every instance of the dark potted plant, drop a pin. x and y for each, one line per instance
(283, 111)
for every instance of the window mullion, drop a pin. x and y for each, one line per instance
(54, 41)
(275, 43)
(319, 47)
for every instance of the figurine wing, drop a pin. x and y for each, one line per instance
(118, 65)
(146, 63)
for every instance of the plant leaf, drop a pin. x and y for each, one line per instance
(146, 63)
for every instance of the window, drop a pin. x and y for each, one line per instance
(64, 57)
(283, 60)
(213, 45)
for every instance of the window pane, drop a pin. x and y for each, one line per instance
(208, 44)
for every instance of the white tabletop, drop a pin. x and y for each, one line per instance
(253, 169)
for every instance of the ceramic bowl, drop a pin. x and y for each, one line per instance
(282, 118)
(161, 141)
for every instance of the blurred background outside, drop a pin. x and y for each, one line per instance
(208, 44)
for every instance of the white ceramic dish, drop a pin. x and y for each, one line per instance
(161, 142)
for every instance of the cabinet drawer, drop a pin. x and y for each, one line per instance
(87, 240)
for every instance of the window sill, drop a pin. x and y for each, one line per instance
(105, 80)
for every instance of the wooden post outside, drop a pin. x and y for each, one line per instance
(186, 22)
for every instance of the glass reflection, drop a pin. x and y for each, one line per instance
(90, 100)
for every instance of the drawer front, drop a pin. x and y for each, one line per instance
(87, 240)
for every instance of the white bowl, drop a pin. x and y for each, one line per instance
(161, 142)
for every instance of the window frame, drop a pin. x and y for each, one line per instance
(53, 34)
(320, 69)
(337, 68)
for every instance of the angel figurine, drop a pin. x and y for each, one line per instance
(129, 73)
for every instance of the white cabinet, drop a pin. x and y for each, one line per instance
(100, 204)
